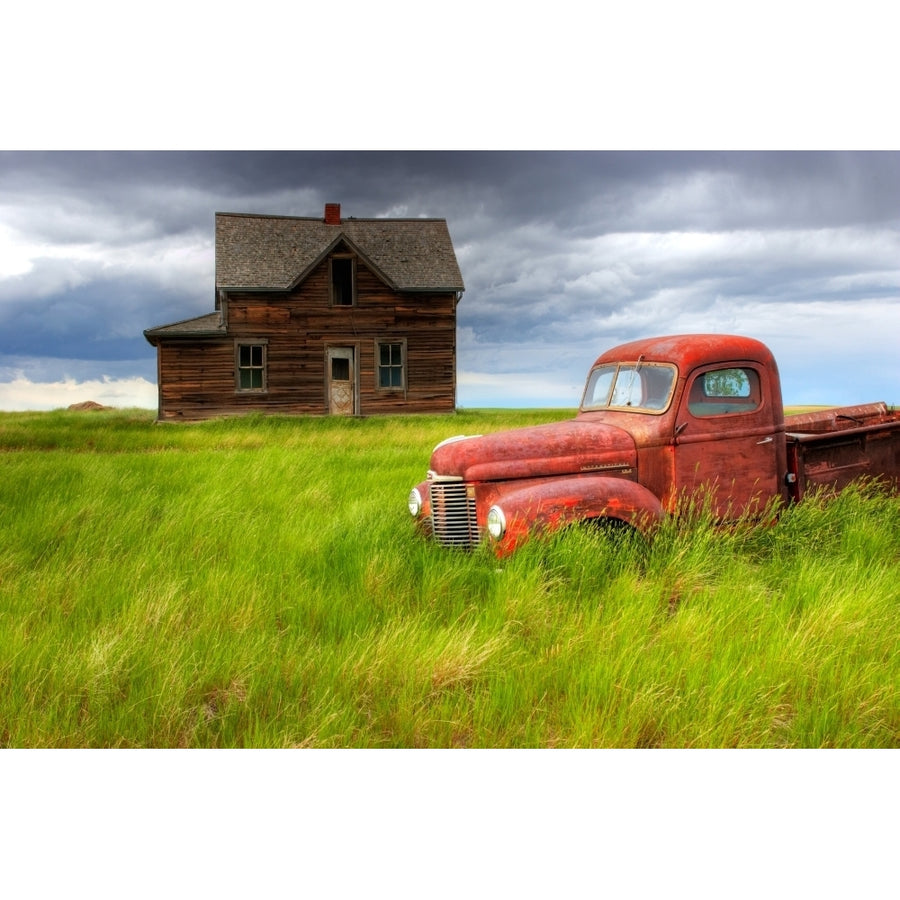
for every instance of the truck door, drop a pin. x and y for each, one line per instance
(729, 440)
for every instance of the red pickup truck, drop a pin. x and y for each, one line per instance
(660, 418)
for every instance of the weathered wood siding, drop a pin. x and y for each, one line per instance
(197, 377)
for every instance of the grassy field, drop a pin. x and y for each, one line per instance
(256, 582)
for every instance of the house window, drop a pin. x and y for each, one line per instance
(251, 367)
(390, 365)
(343, 270)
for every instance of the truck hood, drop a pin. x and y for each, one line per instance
(560, 448)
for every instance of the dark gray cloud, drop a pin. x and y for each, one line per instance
(609, 190)
(562, 252)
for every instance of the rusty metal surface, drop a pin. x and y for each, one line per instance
(555, 449)
(687, 351)
(838, 418)
(833, 460)
(634, 465)
(554, 503)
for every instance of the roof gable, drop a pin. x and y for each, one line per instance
(342, 244)
(278, 252)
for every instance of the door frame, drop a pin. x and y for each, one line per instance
(351, 353)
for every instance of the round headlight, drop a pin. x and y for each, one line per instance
(415, 502)
(496, 522)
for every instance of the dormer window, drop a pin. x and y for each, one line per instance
(343, 281)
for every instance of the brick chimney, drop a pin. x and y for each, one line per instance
(332, 213)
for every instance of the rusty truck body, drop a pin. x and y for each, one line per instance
(661, 419)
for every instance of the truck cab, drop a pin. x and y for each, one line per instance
(706, 415)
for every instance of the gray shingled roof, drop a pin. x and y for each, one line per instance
(277, 252)
(201, 326)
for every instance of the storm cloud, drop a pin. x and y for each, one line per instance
(563, 254)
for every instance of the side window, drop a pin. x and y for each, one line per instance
(343, 281)
(723, 392)
(251, 367)
(390, 365)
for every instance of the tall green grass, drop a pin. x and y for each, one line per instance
(256, 582)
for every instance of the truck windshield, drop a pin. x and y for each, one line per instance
(636, 386)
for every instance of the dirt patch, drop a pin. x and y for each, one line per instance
(87, 406)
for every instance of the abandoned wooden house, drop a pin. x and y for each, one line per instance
(318, 316)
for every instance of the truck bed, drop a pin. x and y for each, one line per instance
(830, 448)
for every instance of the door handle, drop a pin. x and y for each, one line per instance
(767, 440)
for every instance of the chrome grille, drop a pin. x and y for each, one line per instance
(453, 514)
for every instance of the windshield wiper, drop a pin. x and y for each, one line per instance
(634, 371)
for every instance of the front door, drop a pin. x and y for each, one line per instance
(341, 380)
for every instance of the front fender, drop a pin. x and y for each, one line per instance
(554, 504)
